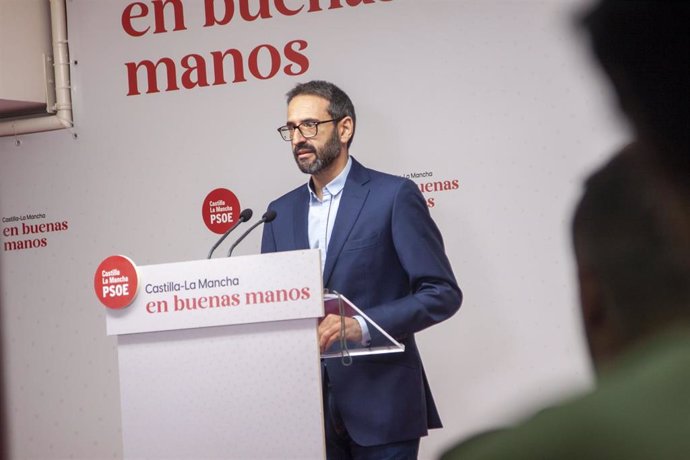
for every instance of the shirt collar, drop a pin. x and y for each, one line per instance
(335, 186)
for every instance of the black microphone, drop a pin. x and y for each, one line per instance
(244, 217)
(267, 217)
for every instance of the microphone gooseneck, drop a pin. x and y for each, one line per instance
(245, 215)
(267, 217)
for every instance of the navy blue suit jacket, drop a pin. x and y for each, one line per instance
(386, 255)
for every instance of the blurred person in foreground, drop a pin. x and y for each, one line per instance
(635, 302)
(632, 242)
(644, 49)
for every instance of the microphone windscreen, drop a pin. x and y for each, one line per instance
(269, 215)
(246, 214)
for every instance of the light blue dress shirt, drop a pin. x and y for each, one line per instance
(322, 214)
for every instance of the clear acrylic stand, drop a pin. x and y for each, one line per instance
(338, 304)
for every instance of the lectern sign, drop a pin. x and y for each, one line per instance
(218, 292)
(116, 282)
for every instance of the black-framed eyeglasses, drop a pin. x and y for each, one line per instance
(307, 129)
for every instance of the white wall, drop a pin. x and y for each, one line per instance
(498, 95)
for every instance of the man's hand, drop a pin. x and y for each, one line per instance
(329, 330)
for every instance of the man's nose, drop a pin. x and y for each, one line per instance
(297, 137)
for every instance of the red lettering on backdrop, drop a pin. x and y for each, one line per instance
(254, 62)
(219, 69)
(129, 13)
(264, 11)
(284, 10)
(357, 2)
(152, 79)
(159, 16)
(199, 68)
(195, 71)
(315, 6)
(293, 55)
(263, 61)
(127, 16)
(210, 13)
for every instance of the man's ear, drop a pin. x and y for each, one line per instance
(600, 324)
(347, 127)
(592, 303)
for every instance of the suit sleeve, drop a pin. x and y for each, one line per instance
(434, 293)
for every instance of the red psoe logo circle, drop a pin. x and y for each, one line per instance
(220, 210)
(116, 282)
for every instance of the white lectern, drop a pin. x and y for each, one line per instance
(219, 359)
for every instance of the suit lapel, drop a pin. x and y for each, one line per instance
(354, 195)
(300, 220)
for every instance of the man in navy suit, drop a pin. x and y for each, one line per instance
(381, 249)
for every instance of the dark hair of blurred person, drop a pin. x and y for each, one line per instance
(644, 48)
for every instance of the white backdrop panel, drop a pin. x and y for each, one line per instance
(498, 95)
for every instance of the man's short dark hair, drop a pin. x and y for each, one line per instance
(339, 106)
(624, 234)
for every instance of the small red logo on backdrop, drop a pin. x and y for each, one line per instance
(220, 210)
(116, 282)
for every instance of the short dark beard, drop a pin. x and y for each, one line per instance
(324, 157)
